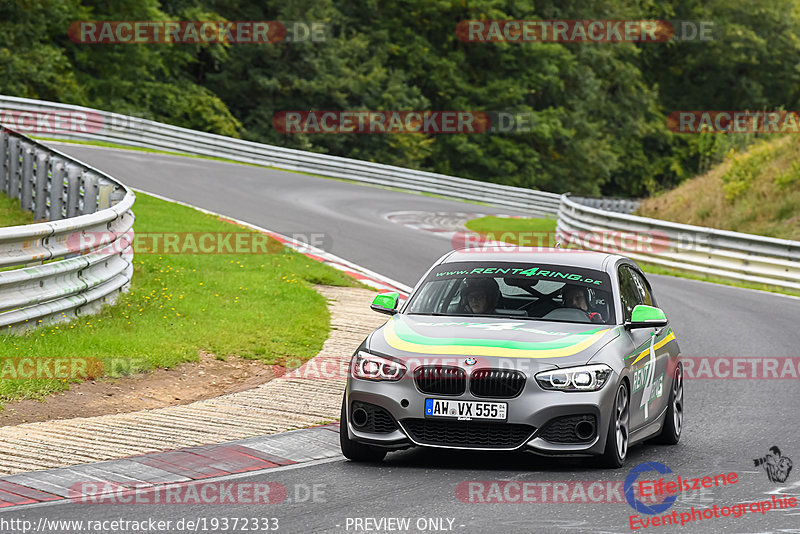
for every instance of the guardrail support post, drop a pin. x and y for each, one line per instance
(12, 185)
(55, 194)
(89, 193)
(117, 194)
(104, 192)
(40, 184)
(74, 174)
(26, 178)
(3, 160)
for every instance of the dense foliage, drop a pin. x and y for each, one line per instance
(599, 108)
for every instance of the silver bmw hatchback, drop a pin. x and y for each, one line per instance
(560, 352)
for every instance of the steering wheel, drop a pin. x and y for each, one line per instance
(586, 313)
(568, 314)
(602, 309)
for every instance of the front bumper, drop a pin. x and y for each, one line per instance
(531, 417)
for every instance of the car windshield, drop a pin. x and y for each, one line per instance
(516, 290)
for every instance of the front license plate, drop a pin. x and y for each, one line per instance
(465, 410)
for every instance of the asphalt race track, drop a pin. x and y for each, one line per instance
(728, 422)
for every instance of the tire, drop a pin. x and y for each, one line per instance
(673, 419)
(618, 435)
(353, 450)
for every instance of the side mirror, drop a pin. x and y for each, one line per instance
(385, 303)
(647, 317)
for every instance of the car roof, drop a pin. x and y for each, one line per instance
(551, 256)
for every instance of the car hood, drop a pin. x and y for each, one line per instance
(548, 343)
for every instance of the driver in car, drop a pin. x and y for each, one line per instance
(481, 295)
(578, 297)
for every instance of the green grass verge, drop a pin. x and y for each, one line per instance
(527, 232)
(258, 306)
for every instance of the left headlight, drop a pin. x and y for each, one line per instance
(583, 378)
(368, 366)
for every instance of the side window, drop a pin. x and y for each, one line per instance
(629, 292)
(643, 288)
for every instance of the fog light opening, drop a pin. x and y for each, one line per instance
(584, 429)
(359, 417)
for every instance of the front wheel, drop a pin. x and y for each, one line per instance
(673, 420)
(353, 450)
(618, 430)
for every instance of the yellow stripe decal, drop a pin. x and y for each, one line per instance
(660, 344)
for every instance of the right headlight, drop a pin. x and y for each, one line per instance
(368, 366)
(582, 378)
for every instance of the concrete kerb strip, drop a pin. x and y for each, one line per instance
(186, 455)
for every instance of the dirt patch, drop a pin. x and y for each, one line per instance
(183, 384)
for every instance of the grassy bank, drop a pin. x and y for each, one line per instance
(756, 192)
(259, 306)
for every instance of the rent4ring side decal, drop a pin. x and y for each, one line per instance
(644, 377)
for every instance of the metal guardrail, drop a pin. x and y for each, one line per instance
(97, 125)
(78, 260)
(620, 205)
(707, 251)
